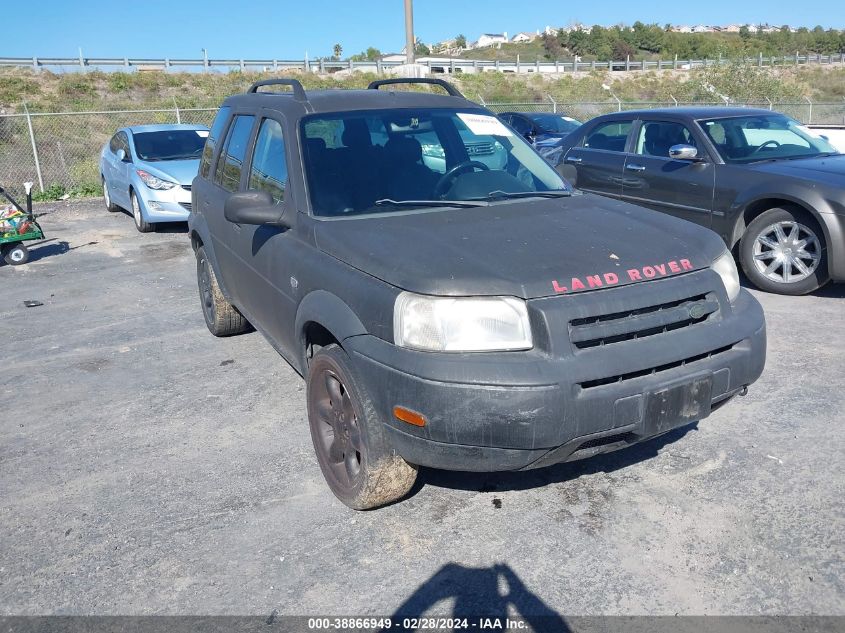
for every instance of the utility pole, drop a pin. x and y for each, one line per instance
(410, 42)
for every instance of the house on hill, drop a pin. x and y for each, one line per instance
(521, 38)
(491, 39)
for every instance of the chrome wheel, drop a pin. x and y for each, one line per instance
(786, 252)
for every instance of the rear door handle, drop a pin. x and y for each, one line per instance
(574, 159)
(635, 167)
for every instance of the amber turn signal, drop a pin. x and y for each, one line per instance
(411, 417)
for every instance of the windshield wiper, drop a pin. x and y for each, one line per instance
(506, 195)
(468, 204)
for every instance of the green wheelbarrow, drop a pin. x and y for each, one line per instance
(18, 225)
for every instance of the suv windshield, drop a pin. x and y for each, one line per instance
(764, 137)
(386, 160)
(170, 144)
(555, 123)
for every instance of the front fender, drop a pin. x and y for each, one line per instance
(331, 312)
(807, 199)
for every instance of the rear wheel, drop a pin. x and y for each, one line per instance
(140, 223)
(783, 251)
(110, 206)
(221, 317)
(15, 254)
(352, 448)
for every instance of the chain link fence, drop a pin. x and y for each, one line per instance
(59, 152)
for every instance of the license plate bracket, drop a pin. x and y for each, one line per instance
(677, 405)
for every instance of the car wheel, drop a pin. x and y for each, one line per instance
(352, 448)
(221, 317)
(140, 223)
(783, 251)
(110, 206)
(15, 254)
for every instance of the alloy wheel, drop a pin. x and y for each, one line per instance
(338, 432)
(786, 252)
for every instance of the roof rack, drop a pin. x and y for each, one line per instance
(298, 90)
(374, 85)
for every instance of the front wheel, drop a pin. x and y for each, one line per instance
(140, 223)
(15, 254)
(783, 251)
(352, 448)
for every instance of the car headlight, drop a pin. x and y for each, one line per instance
(726, 267)
(461, 324)
(153, 182)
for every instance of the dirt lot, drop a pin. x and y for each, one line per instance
(147, 467)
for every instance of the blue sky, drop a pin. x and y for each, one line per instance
(286, 29)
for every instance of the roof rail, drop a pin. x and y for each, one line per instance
(374, 85)
(298, 90)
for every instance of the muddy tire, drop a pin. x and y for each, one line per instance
(783, 251)
(221, 317)
(352, 448)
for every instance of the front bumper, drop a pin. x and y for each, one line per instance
(516, 410)
(171, 205)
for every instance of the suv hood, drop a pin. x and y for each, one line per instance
(523, 248)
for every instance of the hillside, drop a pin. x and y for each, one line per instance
(50, 92)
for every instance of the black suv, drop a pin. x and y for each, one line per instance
(466, 317)
(773, 189)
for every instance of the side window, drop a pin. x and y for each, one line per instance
(656, 137)
(610, 136)
(211, 140)
(521, 125)
(231, 162)
(268, 170)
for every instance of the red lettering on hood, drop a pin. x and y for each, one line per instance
(601, 280)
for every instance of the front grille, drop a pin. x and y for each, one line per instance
(186, 187)
(186, 205)
(650, 371)
(479, 149)
(616, 327)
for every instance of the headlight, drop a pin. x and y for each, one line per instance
(726, 267)
(154, 183)
(461, 324)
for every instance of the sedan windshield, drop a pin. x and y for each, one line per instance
(170, 144)
(764, 137)
(555, 123)
(387, 161)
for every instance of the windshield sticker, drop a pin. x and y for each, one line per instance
(484, 125)
(202, 133)
(632, 274)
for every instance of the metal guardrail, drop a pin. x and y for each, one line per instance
(434, 64)
(60, 150)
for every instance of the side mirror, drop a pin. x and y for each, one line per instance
(121, 155)
(683, 152)
(254, 207)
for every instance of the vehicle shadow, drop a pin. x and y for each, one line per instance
(477, 592)
(526, 479)
(829, 290)
(171, 227)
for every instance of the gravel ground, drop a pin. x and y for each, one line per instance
(149, 468)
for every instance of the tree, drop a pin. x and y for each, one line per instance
(552, 46)
(461, 41)
(337, 50)
(744, 33)
(369, 55)
(420, 49)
